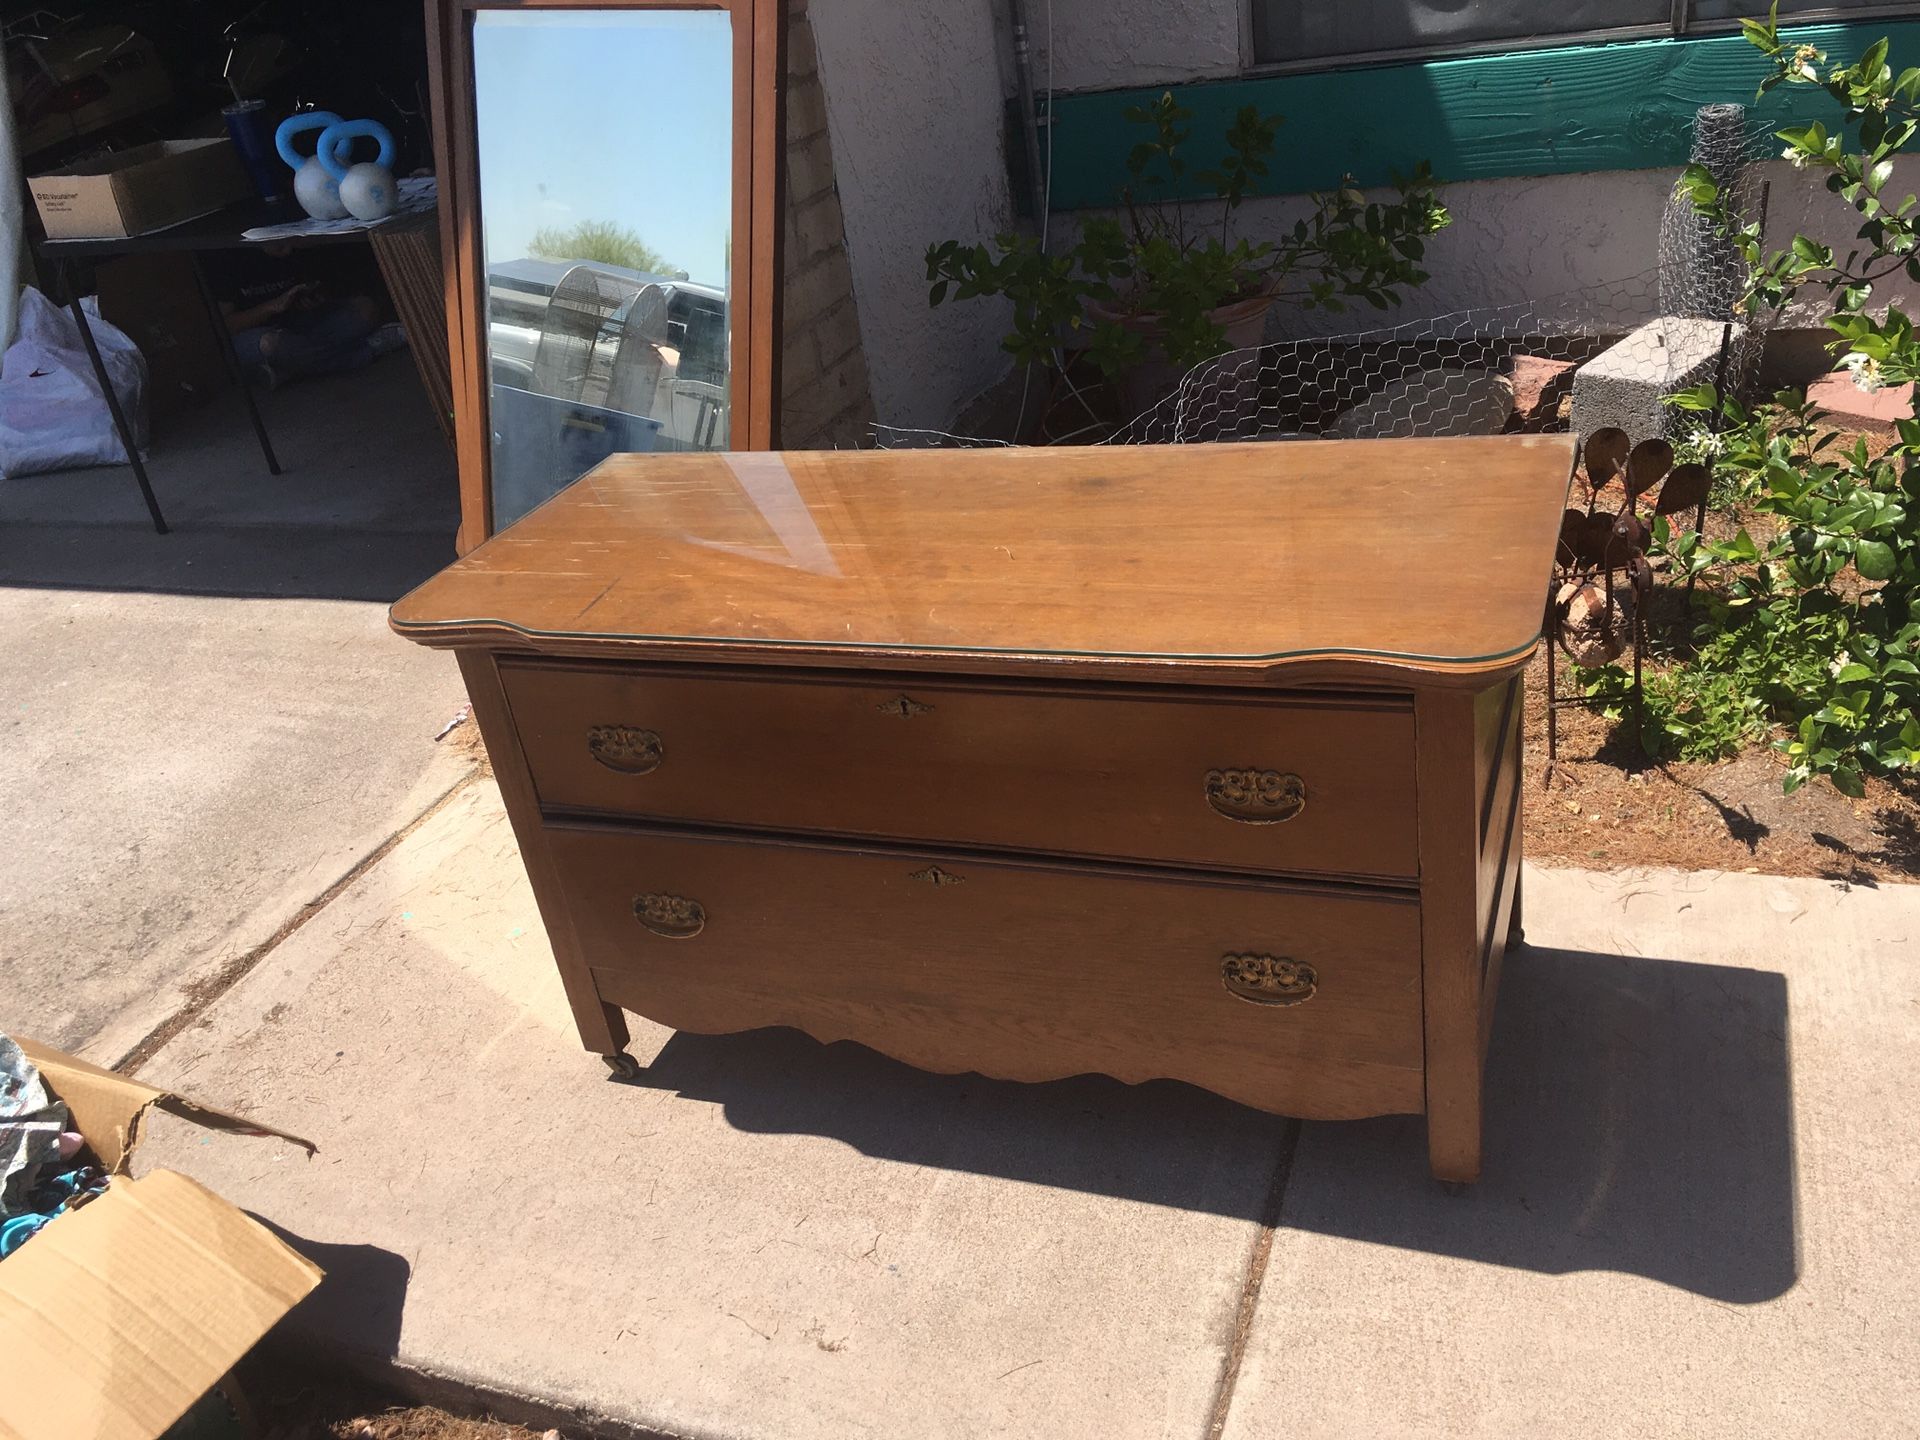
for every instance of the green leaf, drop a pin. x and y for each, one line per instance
(1875, 560)
(1846, 779)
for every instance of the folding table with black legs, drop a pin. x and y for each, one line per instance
(221, 230)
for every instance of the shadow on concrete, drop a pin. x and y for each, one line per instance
(360, 1302)
(1639, 1120)
(365, 507)
(1162, 1142)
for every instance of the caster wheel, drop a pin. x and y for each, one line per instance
(623, 1065)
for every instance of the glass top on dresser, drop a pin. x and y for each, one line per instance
(1429, 552)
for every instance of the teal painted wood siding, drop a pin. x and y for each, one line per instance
(1535, 112)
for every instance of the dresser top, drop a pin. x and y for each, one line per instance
(1343, 558)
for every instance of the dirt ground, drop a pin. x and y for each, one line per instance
(288, 1405)
(1603, 805)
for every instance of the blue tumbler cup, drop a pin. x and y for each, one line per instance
(253, 138)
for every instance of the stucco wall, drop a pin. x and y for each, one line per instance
(914, 105)
(915, 96)
(1535, 239)
(1103, 43)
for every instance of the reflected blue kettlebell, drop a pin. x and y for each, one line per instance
(317, 190)
(366, 189)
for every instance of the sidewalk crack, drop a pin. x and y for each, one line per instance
(1255, 1278)
(207, 991)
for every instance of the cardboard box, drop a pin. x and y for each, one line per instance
(120, 1314)
(133, 191)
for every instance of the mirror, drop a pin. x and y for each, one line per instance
(605, 151)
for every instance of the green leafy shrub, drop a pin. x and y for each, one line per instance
(1814, 629)
(1160, 270)
(1817, 628)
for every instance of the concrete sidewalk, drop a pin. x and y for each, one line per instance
(1700, 1186)
(203, 731)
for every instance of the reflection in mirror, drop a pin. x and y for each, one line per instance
(606, 203)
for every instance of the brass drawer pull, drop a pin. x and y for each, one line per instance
(626, 748)
(1256, 797)
(1268, 979)
(905, 706)
(672, 916)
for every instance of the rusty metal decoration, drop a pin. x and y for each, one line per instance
(1602, 578)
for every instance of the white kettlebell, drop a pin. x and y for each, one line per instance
(317, 191)
(366, 189)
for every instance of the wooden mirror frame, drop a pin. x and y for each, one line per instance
(759, 36)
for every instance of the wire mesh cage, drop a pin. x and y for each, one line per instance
(1601, 356)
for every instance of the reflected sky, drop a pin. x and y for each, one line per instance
(619, 117)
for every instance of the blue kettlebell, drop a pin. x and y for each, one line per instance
(366, 189)
(316, 189)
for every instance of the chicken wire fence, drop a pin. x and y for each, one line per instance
(1600, 355)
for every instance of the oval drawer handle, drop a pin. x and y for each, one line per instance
(672, 916)
(1256, 797)
(626, 748)
(1268, 979)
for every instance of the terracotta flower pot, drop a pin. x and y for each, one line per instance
(1244, 323)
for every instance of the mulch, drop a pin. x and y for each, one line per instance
(1605, 806)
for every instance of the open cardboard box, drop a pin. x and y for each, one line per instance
(120, 1314)
(130, 192)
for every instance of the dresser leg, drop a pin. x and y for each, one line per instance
(1453, 1149)
(610, 1036)
(1452, 727)
(1516, 932)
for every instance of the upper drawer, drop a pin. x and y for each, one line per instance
(1300, 783)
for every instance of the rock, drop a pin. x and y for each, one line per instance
(1541, 390)
(1846, 404)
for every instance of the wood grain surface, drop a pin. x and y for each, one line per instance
(1120, 770)
(1365, 558)
(1025, 972)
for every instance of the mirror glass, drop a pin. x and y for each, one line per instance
(605, 144)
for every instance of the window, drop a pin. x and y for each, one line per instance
(1297, 32)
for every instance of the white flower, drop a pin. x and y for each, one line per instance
(1866, 372)
(1708, 443)
(1800, 67)
(1839, 663)
(1796, 157)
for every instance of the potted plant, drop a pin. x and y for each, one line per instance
(1164, 285)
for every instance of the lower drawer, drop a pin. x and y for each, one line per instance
(1301, 1000)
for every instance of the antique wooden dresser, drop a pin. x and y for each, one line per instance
(1199, 762)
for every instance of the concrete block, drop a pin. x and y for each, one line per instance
(763, 1238)
(806, 110)
(1626, 384)
(803, 60)
(809, 169)
(819, 225)
(1701, 1172)
(838, 331)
